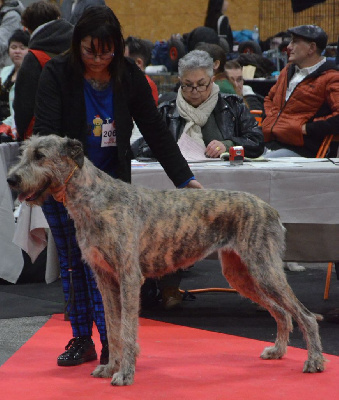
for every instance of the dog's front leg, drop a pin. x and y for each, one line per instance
(110, 293)
(130, 297)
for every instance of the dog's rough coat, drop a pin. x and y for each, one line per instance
(127, 233)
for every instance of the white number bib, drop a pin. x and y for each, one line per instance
(109, 135)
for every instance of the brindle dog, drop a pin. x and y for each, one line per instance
(128, 233)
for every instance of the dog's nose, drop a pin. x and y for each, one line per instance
(13, 180)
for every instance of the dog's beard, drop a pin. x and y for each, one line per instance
(36, 198)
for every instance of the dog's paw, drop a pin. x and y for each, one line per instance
(271, 353)
(103, 371)
(293, 267)
(316, 365)
(121, 379)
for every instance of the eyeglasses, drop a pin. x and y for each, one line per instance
(199, 88)
(90, 55)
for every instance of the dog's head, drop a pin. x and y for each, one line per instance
(44, 164)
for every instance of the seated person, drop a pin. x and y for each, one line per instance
(215, 120)
(219, 60)
(251, 99)
(10, 21)
(17, 50)
(303, 106)
(140, 51)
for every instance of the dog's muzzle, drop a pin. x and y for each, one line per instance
(15, 180)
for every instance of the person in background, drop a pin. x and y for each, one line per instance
(216, 20)
(71, 10)
(93, 93)
(251, 99)
(50, 35)
(221, 77)
(217, 121)
(10, 21)
(17, 50)
(140, 51)
(303, 106)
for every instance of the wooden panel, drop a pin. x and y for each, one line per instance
(276, 16)
(159, 19)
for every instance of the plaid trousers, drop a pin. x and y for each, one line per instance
(83, 299)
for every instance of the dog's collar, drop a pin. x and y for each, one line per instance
(66, 181)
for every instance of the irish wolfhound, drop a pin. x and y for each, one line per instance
(128, 233)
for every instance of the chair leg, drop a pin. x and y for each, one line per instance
(336, 267)
(328, 280)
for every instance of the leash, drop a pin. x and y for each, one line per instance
(65, 183)
(71, 295)
(70, 301)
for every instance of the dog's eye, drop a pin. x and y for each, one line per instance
(38, 155)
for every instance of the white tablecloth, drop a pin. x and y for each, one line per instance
(304, 191)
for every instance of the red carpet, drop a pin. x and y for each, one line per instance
(175, 363)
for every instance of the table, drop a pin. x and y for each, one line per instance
(31, 233)
(304, 191)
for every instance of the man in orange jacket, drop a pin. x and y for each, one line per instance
(303, 106)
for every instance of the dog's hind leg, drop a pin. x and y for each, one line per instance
(239, 277)
(306, 320)
(272, 290)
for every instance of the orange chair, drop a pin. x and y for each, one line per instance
(323, 149)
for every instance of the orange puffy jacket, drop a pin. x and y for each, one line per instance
(314, 101)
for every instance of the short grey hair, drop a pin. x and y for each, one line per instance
(196, 59)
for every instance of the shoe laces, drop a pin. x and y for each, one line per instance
(74, 342)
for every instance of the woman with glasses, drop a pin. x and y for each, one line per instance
(216, 120)
(93, 94)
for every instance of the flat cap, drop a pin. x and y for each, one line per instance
(312, 33)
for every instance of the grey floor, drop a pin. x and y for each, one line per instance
(15, 332)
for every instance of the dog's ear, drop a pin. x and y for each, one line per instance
(75, 151)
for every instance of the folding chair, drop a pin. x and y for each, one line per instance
(322, 152)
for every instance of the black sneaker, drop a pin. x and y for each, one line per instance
(104, 354)
(78, 351)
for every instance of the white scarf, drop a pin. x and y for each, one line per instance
(197, 117)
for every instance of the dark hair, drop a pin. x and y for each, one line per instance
(100, 23)
(201, 34)
(216, 52)
(233, 64)
(19, 36)
(39, 13)
(139, 48)
(213, 13)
